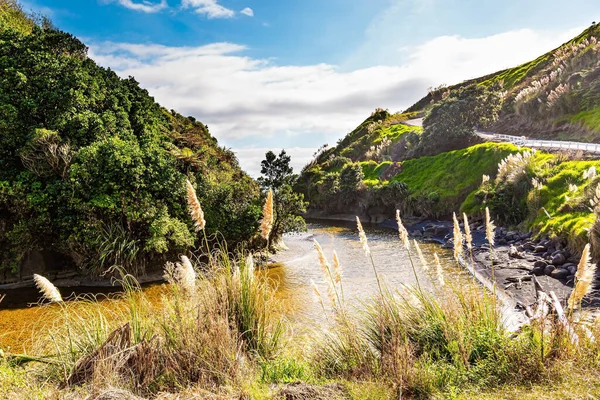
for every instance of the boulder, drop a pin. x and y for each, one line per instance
(538, 271)
(571, 267)
(559, 259)
(539, 249)
(560, 273)
(539, 264)
(548, 270)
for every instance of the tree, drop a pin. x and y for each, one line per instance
(289, 206)
(276, 170)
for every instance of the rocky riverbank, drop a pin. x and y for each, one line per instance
(515, 258)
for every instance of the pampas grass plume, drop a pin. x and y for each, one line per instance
(266, 224)
(468, 235)
(489, 228)
(48, 290)
(421, 257)
(458, 238)
(182, 274)
(439, 270)
(583, 279)
(194, 207)
(402, 232)
(363, 238)
(337, 269)
(325, 267)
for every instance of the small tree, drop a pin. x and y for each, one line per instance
(289, 205)
(276, 170)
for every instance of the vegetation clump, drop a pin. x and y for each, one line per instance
(93, 168)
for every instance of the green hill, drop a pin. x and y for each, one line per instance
(385, 165)
(92, 169)
(555, 96)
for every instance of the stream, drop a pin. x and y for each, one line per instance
(22, 321)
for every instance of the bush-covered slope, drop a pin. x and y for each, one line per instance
(557, 95)
(92, 169)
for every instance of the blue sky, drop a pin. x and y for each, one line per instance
(299, 73)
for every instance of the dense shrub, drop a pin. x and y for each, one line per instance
(94, 169)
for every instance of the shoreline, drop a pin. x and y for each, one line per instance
(515, 258)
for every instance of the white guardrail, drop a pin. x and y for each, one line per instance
(548, 144)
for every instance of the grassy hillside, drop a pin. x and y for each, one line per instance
(92, 169)
(554, 96)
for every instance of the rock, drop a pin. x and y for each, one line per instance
(520, 248)
(539, 249)
(514, 253)
(559, 273)
(570, 278)
(572, 268)
(526, 236)
(529, 246)
(416, 234)
(559, 259)
(502, 241)
(548, 270)
(538, 271)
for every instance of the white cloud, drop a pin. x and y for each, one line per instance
(211, 8)
(144, 6)
(253, 101)
(247, 11)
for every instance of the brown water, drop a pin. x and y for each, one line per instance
(21, 322)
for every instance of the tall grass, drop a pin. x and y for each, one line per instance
(223, 330)
(208, 330)
(420, 344)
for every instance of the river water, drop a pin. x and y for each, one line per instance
(301, 265)
(21, 322)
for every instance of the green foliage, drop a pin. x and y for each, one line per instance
(351, 176)
(448, 178)
(13, 17)
(94, 169)
(289, 205)
(276, 170)
(589, 118)
(372, 171)
(450, 124)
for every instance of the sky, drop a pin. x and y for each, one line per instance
(297, 74)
